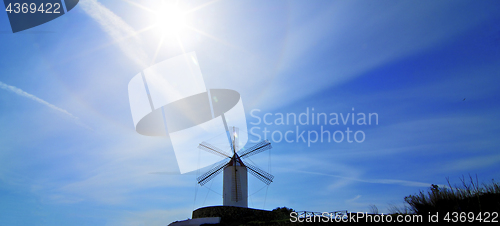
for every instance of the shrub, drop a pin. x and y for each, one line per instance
(282, 212)
(470, 197)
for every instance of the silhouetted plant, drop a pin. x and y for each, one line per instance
(282, 212)
(373, 209)
(470, 197)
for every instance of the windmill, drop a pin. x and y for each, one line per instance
(235, 183)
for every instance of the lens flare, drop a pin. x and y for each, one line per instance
(170, 18)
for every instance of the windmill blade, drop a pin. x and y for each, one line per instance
(206, 177)
(212, 149)
(258, 148)
(262, 175)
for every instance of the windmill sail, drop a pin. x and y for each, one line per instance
(262, 175)
(258, 148)
(212, 149)
(235, 182)
(206, 177)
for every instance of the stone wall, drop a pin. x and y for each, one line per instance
(231, 215)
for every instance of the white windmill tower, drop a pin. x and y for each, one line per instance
(235, 183)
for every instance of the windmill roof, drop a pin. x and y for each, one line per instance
(236, 160)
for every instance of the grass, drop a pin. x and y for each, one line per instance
(469, 197)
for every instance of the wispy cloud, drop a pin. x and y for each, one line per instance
(358, 46)
(122, 172)
(472, 163)
(354, 199)
(151, 217)
(345, 174)
(22, 93)
(121, 33)
(373, 181)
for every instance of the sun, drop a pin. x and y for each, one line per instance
(170, 19)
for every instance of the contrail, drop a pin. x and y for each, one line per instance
(116, 28)
(22, 93)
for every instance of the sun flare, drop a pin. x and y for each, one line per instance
(170, 18)
(172, 23)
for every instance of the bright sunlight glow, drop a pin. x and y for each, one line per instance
(170, 19)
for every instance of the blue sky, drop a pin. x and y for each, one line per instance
(69, 153)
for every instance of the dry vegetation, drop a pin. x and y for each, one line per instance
(468, 197)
